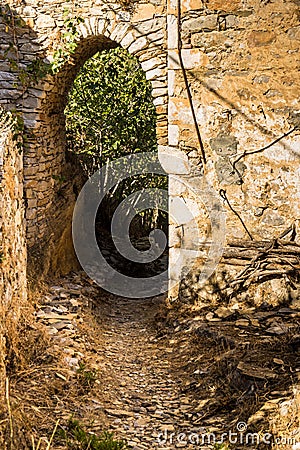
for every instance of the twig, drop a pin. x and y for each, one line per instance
(224, 196)
(290, 229)
(261, 244)
(186, 81)
(53, 434)
(253, 152)
(9, 412)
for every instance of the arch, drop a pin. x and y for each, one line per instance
(49, 191)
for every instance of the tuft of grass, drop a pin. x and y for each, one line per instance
(221, 447)
(74, 437)
(85, 377)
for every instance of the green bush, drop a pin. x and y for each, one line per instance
(74, 437)
(110, 114)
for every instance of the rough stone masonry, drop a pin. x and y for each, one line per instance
(241, 59)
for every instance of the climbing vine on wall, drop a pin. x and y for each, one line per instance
(39, 67)
(35, 70)
(68, 42)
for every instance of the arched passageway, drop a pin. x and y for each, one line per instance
(53, 178)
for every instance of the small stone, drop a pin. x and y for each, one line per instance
(224, 144)
(223, 312)
(119, 413)
(256, 372)
(260, 38)
(242, 323)
(61, 325)
(209, 316)
(45, 21)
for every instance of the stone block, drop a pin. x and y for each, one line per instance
(202, 23)
(45, 21)
(7, 76)
(213, 41)
(83, 29)
(191, 59)
(119, 32)
(176, 186)
(31, 214)
(151, 63)
(260, 38)
(184, 211)
(151, 26)
(294, 33)
(138, 45)
(180, 111)
(159, 101)
(155, 73)
(158, 84)
(127, 40)
(172, 32)
(144, 12)
(173, 131)
(273, 218)
(157, 36)
(224, 144)
(171, 82)
(173, 161)
(226, 173)
(101, 26)
(232, 21)
(29, 11)
(159, 92)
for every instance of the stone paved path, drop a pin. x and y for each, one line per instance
(143, 396)
(137, 394)
(166, 385)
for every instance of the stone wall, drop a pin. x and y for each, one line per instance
(12, 239)
(49, 181)
(242, 61)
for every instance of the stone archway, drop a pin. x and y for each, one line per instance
(49, 188)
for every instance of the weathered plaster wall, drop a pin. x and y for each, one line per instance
(12, 239)
(243, 67)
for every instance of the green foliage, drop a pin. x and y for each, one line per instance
(111, 114)
(36, 69)
(68, 43)
(110, 111)
(86, 377)
(9, 18)
(221, 447)
(74, 437)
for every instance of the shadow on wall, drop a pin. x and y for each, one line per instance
(59, 171)
(52, 176)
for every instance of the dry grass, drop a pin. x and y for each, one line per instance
(207, 365)
(41, 392)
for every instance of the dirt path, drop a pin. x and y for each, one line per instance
(136, 395)
(142, 398)
(155, 381)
